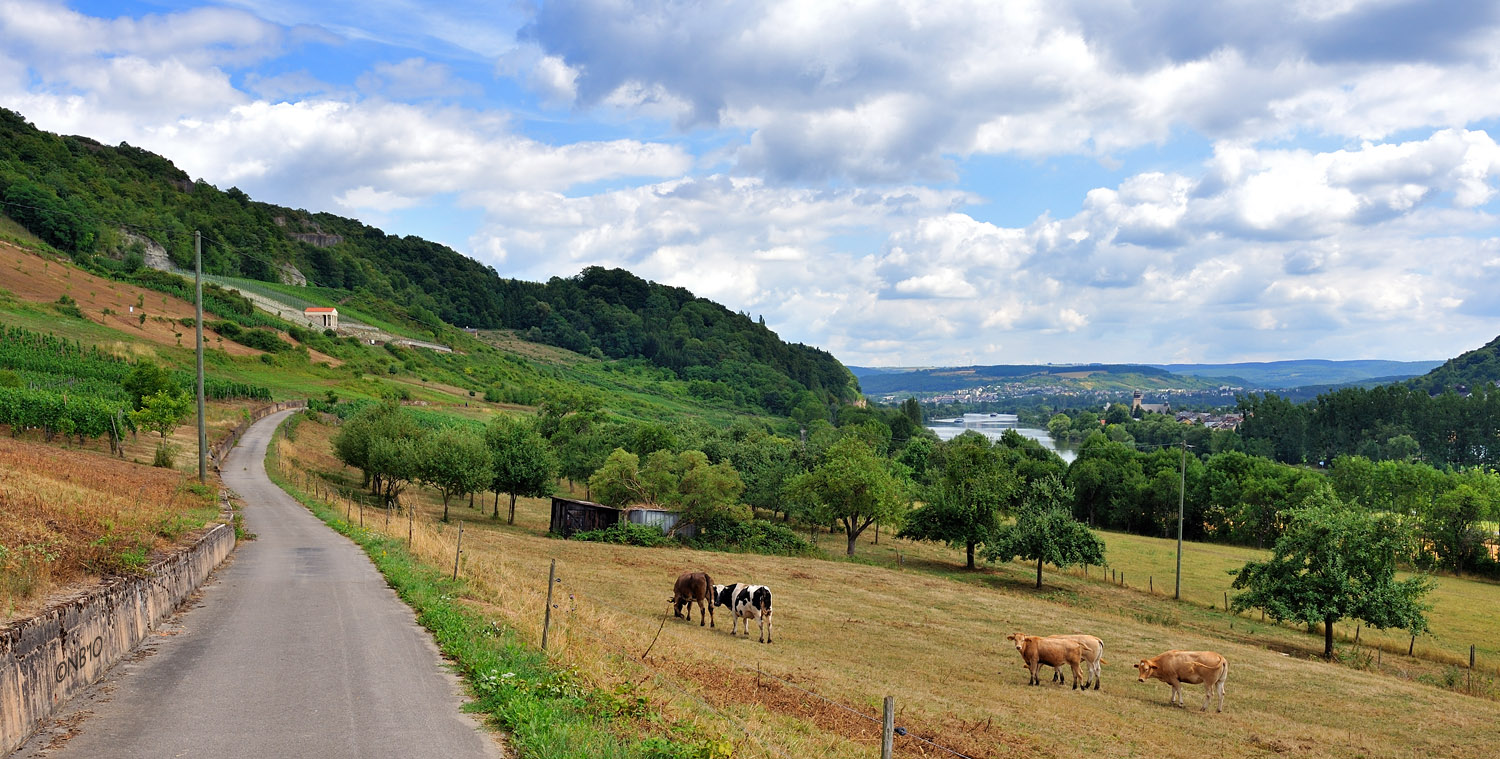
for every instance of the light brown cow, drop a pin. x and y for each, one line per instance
(1093, 655)
(690, 588)
(1177, 667)
(1037, 651)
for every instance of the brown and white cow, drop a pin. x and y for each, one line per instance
(1093, 655)
(1052, 652)
(691, 588)
(1177, 667)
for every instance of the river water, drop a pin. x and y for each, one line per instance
(993, 426)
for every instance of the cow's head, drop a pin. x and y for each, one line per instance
(1019, 638)
(1144, 670)
(721, 595)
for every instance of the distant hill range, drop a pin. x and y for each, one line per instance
(1279, 375)
(1466, 373)
(1272, 375)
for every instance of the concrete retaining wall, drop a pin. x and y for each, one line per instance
(47, 659)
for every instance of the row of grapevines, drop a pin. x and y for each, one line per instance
(62, 413)
(40, 352)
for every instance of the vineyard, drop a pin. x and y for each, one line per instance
(62, 387)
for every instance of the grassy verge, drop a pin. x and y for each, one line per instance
(546, 709)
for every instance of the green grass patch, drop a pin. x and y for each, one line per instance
(548, 710)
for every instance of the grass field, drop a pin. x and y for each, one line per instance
(66, 515)
(932, 635)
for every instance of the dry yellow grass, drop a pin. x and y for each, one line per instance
(855, 632)
(67, 515)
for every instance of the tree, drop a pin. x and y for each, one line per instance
(708, 494)
(163, 411)
(766, 463)
(1451, 526)
(455, 460)
(967, 500)
(618, 482)
(1332, 563)
(1046, 531)
(851, 485)
(145, 380)
(355, 439)
(522, 460)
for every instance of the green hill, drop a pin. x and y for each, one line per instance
(1465, 373)
(109, 207)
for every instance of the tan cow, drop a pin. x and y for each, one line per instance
(1053, 652)
(1177, 667)
(1093, 655)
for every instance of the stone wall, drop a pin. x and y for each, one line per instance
(49, 658)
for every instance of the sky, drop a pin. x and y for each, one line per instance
(902, 183)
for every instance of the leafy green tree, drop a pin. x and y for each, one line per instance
(522, 460)
(1059, 427)
(355, 440)
(395, 462)
(1332, 563)
(145, 380)
(456, 461)
(1451, 527)
(708, 494)
(163, 411)
(912, 410)
(968, 499)
(853, 486)
(618, 482)
(766, 463)
(1045, 530)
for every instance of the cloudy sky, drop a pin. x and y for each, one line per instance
(902, 183)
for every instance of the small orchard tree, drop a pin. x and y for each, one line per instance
(966, 502)
(850, 485)
(455, 460)
(395, 460)
(1335, 562)
(1045, 530)
(145, 380)
(708, 494)
(163, 411)
(523, 461)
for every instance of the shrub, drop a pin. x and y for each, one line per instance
(751, 536)
(166, 456)
(262, 339)
(627, 534)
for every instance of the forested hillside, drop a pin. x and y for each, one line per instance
(1466, 373)
(108, 207)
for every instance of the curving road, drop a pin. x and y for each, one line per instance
(296, 648)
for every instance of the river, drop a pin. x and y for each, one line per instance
(993, 426)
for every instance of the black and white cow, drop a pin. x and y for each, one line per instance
(746, 602)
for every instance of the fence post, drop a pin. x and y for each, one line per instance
(547, 618)
(1356, 633)
(1226, 600)
(1413, 645)
(458, 550)
(1471, 656)
(888, 728)
(1151, 583)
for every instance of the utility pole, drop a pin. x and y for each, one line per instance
(202, 420)
(1181, 496)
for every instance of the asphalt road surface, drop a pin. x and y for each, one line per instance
(295, 648)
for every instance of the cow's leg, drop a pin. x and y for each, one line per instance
(711, 606)
(768, 625)
(701, 611)
(761, 626)
(1208, 695)
(1033, 668)
(677, 610)
(1057, 675)
(1076, 675)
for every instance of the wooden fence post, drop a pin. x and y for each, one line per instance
(459, 549)
(1151, 583)
(888, 728)
(1413, 646)
(547, 617)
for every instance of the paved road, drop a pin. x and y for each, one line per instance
(296, 649)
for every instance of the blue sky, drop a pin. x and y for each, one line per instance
(902, 183)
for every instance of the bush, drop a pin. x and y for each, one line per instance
(262, 339)
(627, 534)
(752, 536)
(166, 456)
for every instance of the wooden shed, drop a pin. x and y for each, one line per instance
(570, 515)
